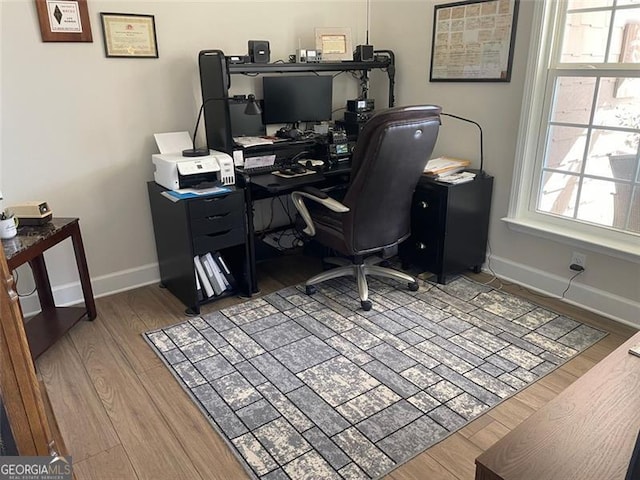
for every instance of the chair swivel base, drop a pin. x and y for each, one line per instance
(360, 272)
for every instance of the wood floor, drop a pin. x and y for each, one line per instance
(123, 415)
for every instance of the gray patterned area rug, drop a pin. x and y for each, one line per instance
(312, 387)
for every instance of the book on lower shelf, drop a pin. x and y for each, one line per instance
(213, 274)
(226, 272)
(202, 276)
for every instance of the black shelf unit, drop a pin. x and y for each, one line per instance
(385, 60)
(195, 226)
(449, 226)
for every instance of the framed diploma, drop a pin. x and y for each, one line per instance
(64, 21)
(334, 43)
(473, 41)
(129, 35)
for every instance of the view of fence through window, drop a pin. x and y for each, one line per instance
(591, 168)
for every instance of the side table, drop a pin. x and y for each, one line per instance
(44, 329)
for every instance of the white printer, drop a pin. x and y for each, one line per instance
(173, 171)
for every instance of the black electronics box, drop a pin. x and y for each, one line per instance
(363, 53)
(365, 105)
(259, 51)
(357, 117)
(338, 136)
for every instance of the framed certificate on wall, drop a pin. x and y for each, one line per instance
(473, 41)
(129, 35)
(64, 21)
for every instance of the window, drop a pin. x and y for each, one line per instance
(579, 171)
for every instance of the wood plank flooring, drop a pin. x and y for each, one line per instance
(123, 415)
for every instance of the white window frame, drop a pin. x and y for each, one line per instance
(522, 215)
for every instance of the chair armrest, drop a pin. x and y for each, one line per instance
(317, 196)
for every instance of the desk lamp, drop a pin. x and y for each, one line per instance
(252, 108)
(481, 140)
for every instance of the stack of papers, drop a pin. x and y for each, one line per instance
(438, 167)
(459, 177)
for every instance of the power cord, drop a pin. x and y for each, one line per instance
(576, 268)
(16, 276)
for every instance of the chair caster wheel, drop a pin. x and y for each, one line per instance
(413, 286)
(366, 305)
(310, 289)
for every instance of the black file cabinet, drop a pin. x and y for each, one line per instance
(193, 227)
(449, 226)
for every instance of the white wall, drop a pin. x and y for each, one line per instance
(609, 285)
(77, 127)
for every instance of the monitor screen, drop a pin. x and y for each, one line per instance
(242, 124)
(292, 99)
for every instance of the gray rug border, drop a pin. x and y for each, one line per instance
(249, 470)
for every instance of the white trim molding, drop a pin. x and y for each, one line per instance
(71, 293)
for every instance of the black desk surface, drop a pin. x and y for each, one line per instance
(274, 184)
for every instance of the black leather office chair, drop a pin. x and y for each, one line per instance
(390, 155)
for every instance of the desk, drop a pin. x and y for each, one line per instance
(585, 433)
(29, 246)
(257, 187)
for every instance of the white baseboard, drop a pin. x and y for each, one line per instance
(608, 305)
(71, 293)
(603, 303)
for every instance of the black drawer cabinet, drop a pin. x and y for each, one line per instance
(195, 226)
(449, 226)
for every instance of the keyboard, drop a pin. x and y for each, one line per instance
(280, 166)
(263, 170)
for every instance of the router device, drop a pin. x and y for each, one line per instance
(32, 213)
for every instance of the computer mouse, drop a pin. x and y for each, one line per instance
(297, 169)
(286, 171)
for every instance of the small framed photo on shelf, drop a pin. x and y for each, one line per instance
(129, 35)
(473, 41)
(64, 21)
(334, 43)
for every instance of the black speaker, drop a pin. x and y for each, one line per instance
(259, 51)
(363, 53)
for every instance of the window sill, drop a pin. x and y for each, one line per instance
(600, 244)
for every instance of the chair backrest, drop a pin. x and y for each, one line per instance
(390, 155)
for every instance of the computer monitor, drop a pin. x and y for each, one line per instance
(293, 99)
(243, 124)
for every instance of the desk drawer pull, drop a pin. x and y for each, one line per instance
(217, 217)
(424, 205)
(421, 246)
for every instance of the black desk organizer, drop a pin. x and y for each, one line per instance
(195, 226)
(449, 226)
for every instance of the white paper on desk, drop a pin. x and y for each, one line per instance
(263, 161)
(172, 142)
(246, 141)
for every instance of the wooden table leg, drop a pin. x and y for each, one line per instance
(83, 271)
(43, 286)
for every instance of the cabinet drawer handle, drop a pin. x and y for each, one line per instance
(216, 217)
(424, 205)
(421, 246)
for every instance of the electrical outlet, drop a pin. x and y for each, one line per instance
(579, 259)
